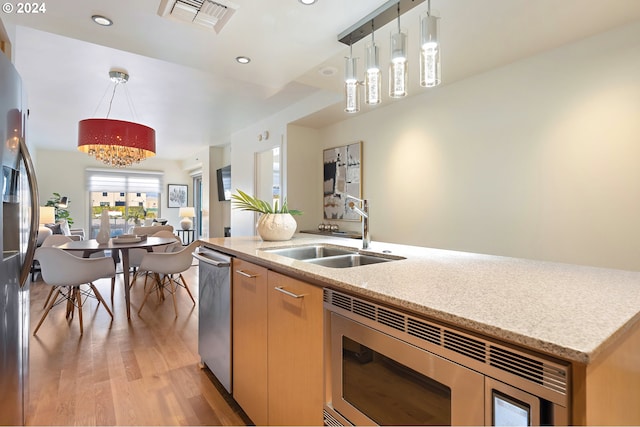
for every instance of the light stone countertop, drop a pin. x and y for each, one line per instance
(568, 311)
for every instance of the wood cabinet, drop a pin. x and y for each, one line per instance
(250, 339)
(277, 347)
(294, 352)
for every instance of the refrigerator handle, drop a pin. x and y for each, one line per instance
(35, 214)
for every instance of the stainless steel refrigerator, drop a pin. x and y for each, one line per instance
(19, 220)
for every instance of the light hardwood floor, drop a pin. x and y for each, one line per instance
(139, 372)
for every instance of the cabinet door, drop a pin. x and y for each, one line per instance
(250, 339)
(295, 352)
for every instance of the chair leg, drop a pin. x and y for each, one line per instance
(146, 295)
(135, 276)
(71, 297)
(47, 311)
(184, 283)
(53, 288)
(161, 285)
(146, 276)
(113, 289)
(79, 298)
(172, 285)
(100, 299)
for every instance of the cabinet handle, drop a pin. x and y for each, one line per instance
(286, 292)
(249, 275)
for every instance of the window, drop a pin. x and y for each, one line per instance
(130, 198)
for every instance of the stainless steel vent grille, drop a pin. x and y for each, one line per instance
(536, 370)
(392, 319)
(464, 345)
(364, 309)
(330, 420)
(531, 369)
(424, 331)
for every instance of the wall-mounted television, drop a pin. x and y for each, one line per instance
(224, 183)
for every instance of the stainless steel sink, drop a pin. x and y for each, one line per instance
(309, 252)
(330, 256)
(346, 261)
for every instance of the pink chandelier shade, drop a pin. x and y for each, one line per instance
(116, 142)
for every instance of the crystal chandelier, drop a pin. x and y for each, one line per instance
(116, 143)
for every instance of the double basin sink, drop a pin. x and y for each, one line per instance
(330, 256)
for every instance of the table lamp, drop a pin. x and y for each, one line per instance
(47, 215)
(187, 213)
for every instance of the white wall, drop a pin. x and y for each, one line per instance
(245, 144)
(538, 159)
(304, 173)
(64, 172)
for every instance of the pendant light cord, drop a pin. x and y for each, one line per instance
(113, 94)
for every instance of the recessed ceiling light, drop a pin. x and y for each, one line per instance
(328, 71)
(243, 59)
(307, 2)
(102, 20)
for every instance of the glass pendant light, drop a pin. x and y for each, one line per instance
(429, 49)
(351, 89)
(398, 66)
(372, 78)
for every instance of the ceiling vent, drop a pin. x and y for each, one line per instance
(209, 14)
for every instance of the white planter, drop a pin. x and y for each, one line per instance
(275, 227)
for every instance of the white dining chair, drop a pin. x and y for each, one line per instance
(54, 240)
(136, 255)
(67, 273)
(167, 269)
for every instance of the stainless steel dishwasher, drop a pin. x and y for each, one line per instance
(214, 313)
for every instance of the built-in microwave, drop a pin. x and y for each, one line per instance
(385, 367)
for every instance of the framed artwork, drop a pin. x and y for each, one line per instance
(342, 176)
(177, 195)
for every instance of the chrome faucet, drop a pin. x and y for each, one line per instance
(364, 213)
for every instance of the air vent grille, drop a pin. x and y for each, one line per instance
(205, 13)
(425, 331)
(528, 368)
(364, 309)
(538, 371)
(330, 420)
(342, 301)
(464, 345)
(392, 319)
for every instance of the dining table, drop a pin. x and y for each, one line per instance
(121, 245)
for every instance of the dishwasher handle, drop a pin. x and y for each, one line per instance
(210, 261)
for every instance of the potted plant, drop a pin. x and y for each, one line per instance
(61, 211)
(275, 223)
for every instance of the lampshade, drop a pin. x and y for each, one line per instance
(116, 142)
(187, 212)
(398, 66)
(47, 215)
(373, 79)
(351, 86)
(429, 50)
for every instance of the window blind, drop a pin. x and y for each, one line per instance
(107, 180)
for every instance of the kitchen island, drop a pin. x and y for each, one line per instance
(583, 315)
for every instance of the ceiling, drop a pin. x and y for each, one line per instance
(185, 82)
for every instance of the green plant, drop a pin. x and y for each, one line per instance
(245, 202)
(60, 212)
